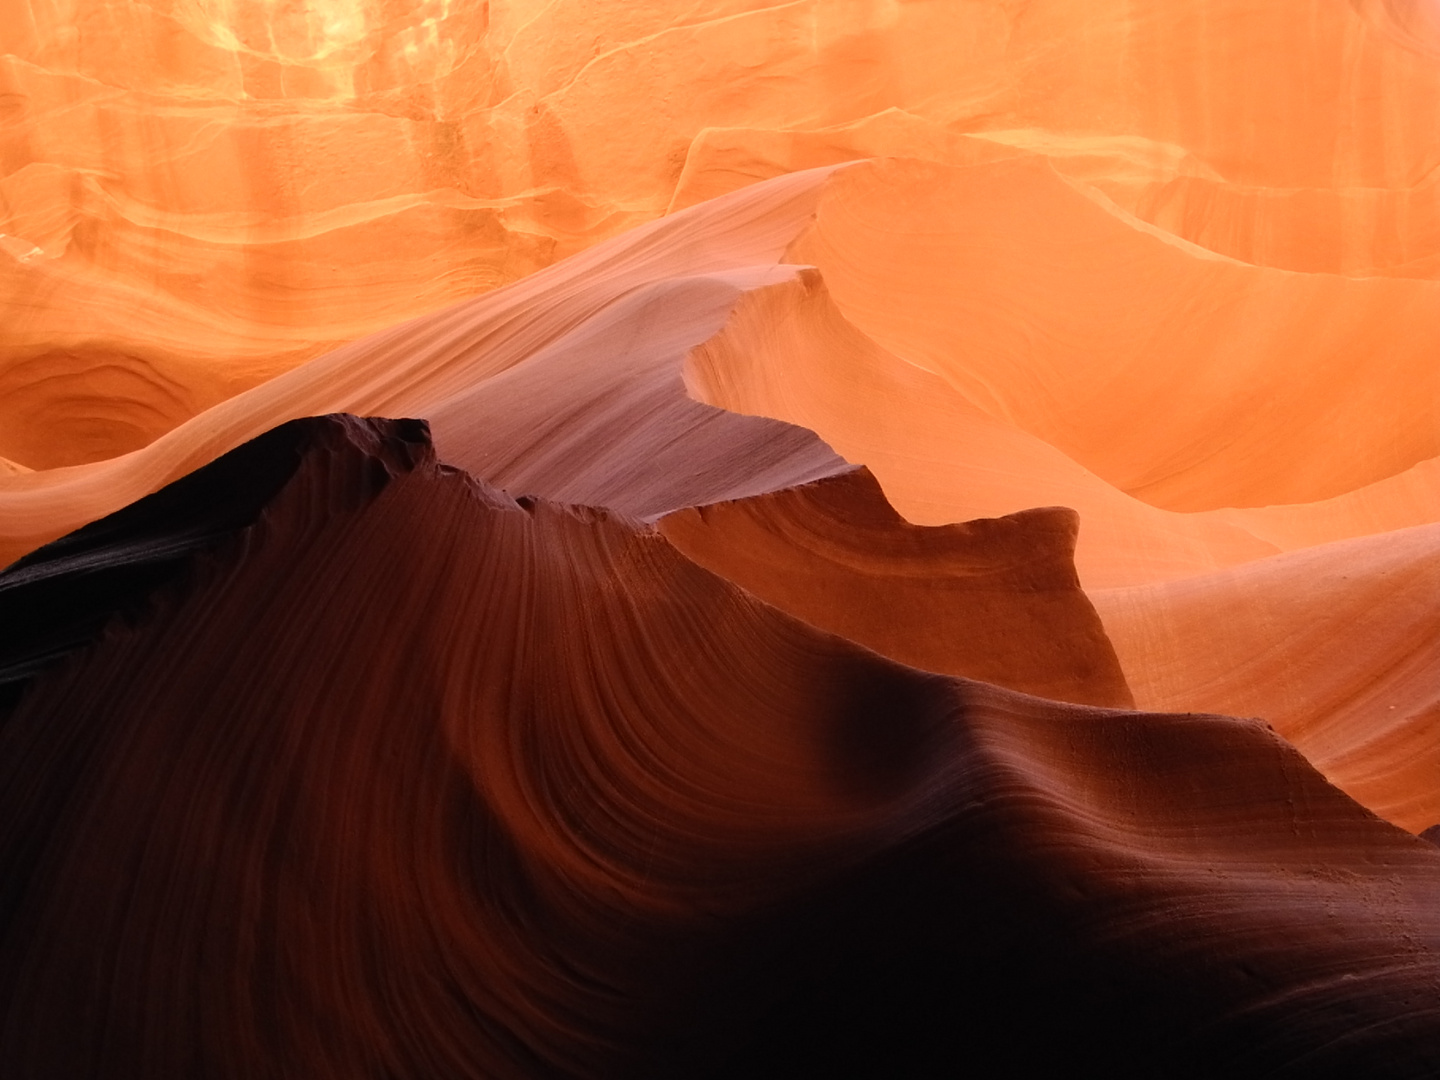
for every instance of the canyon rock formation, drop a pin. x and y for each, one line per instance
(492, 787)
(828, 537)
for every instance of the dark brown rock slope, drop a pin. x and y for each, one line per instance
(406, 779)
(996, 599)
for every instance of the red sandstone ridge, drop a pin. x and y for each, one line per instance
(996, 600)
(938, 529)
(569, 828)
(1334, 645)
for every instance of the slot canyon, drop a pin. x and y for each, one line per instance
(719, 538)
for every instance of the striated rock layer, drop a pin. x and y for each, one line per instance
(995, 599)
(1085, 350)
(618, 318)
(196, 195)
(533, 386)
(406, 778)
(1336, 646)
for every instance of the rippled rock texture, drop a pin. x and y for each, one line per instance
(730, 538)
(490, 787)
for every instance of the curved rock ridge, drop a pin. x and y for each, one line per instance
(60, 598)
(788, 352)
(1337, 647)
(433, 366)
(568, 385)
(601, 415)
(1188, 380)
(589, 344)
(476, 787)
(203, 194)
(1356, 232)
(636, 739)
(995, 599)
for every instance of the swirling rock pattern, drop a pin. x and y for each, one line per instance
(995, 599)
(567, 827)
(882, 442)
(1335, 645)
(197, 195)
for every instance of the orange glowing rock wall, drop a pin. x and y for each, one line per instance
(737, 315)
(198, 194)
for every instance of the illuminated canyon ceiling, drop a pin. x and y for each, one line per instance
(683, 538)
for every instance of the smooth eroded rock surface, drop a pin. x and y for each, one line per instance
(495, 788)
(791, 363)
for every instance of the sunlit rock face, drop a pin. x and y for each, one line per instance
(621, 539)
(199, 194)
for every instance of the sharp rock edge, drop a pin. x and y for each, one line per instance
(403, 778)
